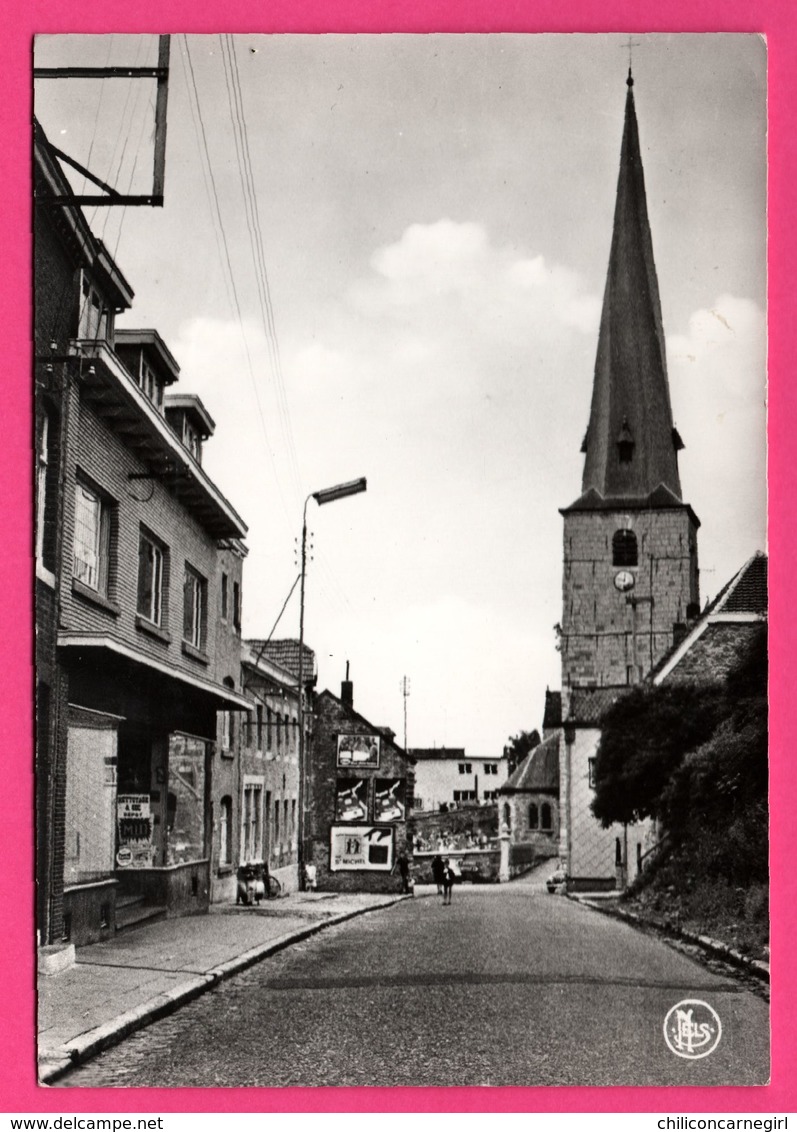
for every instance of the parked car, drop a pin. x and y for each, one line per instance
(556, 881)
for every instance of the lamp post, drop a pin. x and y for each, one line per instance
(326, 495)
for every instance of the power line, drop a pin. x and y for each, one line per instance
(228, 261)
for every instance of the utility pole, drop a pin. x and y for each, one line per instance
(404, 688)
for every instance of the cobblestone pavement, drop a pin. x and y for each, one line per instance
(508, 986)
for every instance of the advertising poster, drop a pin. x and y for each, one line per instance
(389, 803)
(356, 848)
(351, 799)
(359, 750)
(134, 828)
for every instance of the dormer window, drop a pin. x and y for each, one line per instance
(190, 420)
(93, 320)
(191, 439)
(150, 384)
(625, 443)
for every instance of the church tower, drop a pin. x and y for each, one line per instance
(630, 542)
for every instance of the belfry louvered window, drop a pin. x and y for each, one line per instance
(624, 549)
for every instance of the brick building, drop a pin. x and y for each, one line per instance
(256, 787)
(360, 789)
(137, 552)
(446, 776)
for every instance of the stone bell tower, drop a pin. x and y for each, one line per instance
(630, 542)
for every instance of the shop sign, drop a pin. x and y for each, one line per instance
(359, 750)
(389, 799)
(356, 847)
(134, 829)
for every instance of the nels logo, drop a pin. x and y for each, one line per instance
(692, 1029)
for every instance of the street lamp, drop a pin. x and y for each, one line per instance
(326, 495)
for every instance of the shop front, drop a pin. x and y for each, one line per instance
(138, 785)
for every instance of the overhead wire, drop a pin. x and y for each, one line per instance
(246, 173)
(206, 182)
(228, 262)
(240, 130)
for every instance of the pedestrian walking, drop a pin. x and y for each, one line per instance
(448, 881)
(404, 871)
(438, 868)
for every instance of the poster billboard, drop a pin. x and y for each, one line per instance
(389, 803)
(359, 750)
(134, 831)
(356, 847)
(351, 799)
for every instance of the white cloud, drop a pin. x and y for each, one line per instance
(718, 382)
(456, 375)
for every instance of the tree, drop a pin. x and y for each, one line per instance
(519, 746)
(645, 736)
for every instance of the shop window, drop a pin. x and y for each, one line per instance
(186, 800)
(534, 816)
(194, 609)
(152, 564)
(624, 549)
(225, 831)
(90, 798)
(546, 817)
(92, 542)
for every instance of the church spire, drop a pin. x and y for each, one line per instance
(631, 444)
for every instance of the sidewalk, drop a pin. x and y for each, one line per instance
(144, 973)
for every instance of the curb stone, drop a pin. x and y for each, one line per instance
(713, 946)
(53, 1064)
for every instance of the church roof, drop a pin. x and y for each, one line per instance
(538, 771)
(722, 633)
(552, 716)
(631, 444)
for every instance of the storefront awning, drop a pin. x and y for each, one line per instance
(227, 698)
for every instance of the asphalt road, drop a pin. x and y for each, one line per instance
(507, 986)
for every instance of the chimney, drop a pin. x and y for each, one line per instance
(347, 689)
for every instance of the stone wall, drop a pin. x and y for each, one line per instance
(611, 637)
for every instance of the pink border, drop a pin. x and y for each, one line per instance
(774, 18)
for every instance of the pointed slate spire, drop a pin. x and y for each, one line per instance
(630, 443)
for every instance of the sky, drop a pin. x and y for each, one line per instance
(434, 214)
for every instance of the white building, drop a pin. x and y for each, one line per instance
(448, 776)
